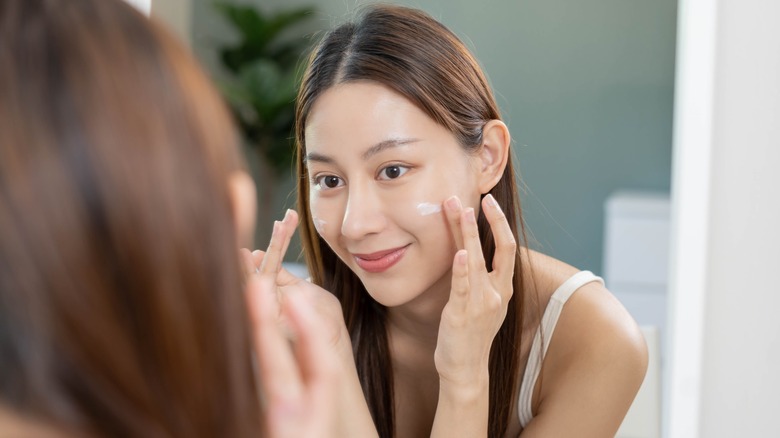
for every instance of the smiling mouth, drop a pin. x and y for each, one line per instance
(380, 261)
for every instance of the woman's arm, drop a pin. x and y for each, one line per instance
(470, 320)
(593, 369)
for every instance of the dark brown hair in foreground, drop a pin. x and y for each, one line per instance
(121, 306)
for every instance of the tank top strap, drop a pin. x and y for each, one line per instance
(542, 340)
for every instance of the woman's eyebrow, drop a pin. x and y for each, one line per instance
(314, 156)
(387, 144)
(373, 150)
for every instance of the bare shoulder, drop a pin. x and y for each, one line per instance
(595, 363)
(595, 328)
(591, 318)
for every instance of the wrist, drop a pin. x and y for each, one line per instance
(462, 372)
(465, 389)
(343, 347)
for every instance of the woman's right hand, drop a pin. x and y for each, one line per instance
(471, 319)
(478, 298)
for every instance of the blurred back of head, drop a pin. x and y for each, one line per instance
(121, 308)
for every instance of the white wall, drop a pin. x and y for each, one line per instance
(725, 291)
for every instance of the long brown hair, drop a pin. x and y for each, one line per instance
(411, 53)
(121, 306)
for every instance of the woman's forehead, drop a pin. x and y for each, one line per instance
(362, 115)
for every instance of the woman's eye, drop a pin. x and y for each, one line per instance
(392, 172)
(325, 182)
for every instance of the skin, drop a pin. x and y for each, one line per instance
(373, 157)
(368, 211)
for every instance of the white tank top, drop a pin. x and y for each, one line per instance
(542, 340)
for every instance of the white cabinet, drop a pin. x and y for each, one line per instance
(636, 254)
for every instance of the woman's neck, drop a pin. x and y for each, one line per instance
(416, 323)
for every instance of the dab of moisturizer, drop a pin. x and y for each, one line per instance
(319, 224)
(427, 208)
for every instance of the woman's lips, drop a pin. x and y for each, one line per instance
(380, 261)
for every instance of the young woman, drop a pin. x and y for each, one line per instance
(410, 217)
(122, 205)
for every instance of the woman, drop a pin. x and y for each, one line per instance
(410, 217)
(123, 201)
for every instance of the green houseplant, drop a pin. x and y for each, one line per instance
(260, 87)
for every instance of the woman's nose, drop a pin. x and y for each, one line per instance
(363, 216)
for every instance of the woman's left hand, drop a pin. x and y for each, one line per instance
(478, 298)
(348, 404)
(325, 304)
(299, 380)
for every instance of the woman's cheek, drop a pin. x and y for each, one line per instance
(322, 215)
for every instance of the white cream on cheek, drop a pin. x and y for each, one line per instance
(319, 224)
(428, 208)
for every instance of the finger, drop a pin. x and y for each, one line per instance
(257, 258)
(459, 291)
(283, 277)
(278, 371)
(272, 261)
(247, 262)
(452, 210)
(290, 221)
(506, 245)
(476, 261)
(273, 253)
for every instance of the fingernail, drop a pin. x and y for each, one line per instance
(453, 203)
(256, 253)
(286, 215)
(462, 257)
(277, 224)
(470, 215)
(491, 201)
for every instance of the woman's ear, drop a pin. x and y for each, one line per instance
(243, 200)
(493, 155)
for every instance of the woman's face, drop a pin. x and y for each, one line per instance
(379, 171)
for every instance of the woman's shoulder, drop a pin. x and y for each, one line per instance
(596, 349)
(590, 305)
(590, 316)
